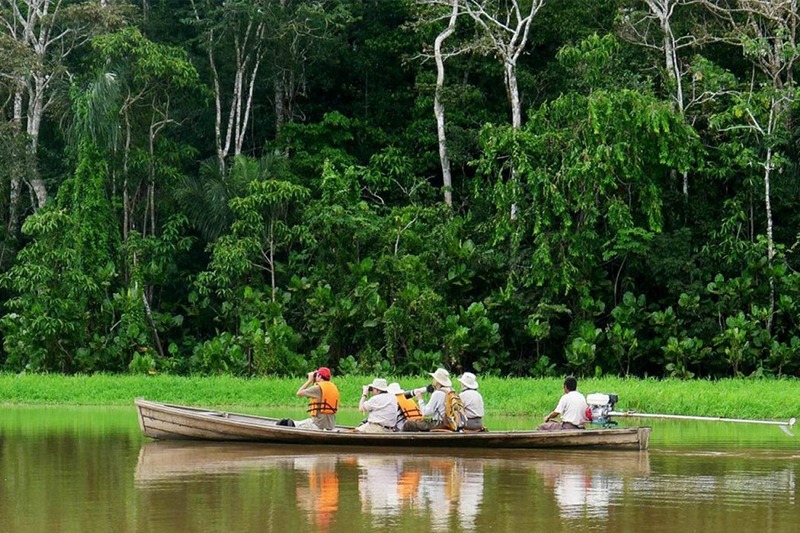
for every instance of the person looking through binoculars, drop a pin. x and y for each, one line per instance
(380, 406)
(323, 400)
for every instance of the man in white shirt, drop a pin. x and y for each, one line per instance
(473, 401)
(380, 406)
(571, 408)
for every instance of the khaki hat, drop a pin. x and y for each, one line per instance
(380, 384)
(442, 377)
(468, 380)
(394, 388)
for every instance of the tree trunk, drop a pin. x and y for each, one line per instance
(513, 95)
(15, 187)
(438, 107)
(770, 243)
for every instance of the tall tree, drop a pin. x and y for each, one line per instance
(767, 32)
(505, 27)
(656, 28)
(238, 27)
(439, 56)
(46, 33)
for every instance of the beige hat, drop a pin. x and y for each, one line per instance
(468, 380)
(442, 377)
(380, 384)
(394, 388)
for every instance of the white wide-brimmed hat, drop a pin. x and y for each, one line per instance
(442, 377)
(394, 388)
(468, 380)
(380, 384)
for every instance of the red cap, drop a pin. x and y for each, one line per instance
(324, 372)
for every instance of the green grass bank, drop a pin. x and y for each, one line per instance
(736, 398)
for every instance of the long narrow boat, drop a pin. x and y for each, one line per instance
(164, 421)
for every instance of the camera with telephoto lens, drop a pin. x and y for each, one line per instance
(411, 393)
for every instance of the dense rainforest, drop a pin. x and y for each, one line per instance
(510, 187)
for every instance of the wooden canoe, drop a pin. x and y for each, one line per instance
(164, 421)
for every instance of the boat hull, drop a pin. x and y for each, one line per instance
(174, 422)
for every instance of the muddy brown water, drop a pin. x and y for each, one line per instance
(86, 470)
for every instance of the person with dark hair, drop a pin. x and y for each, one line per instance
(571, 409)
(323, 400)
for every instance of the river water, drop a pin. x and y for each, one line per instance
(89, 470)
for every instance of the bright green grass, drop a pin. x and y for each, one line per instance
(760, 399)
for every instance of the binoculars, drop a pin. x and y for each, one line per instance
(410, 393)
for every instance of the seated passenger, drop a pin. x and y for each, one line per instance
(380, 406)
(571, 408)
(434, 409)
(473, 401)
(323, 400)
(407, 408)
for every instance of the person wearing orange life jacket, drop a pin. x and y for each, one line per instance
(407, 408)
(323, 400)
(434, 409)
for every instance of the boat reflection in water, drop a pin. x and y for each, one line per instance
(445, 490)
(587, 488)
(439, 487)
(319, 497)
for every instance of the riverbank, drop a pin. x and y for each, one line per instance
(737, 398)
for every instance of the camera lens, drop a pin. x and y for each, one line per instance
(409, 394)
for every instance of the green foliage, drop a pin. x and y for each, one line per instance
(623, 333)
(472, 340)
(571, 244)
(62, 277)
(584, 184)
(222, 355)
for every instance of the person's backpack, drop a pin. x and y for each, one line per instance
(455, 416)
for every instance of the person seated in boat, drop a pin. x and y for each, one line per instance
(323, 400)
(380, 406)
(473, 401)
(571, 408)
(407, 408)
(433, 411)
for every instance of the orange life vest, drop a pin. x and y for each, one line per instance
(408, 408)
(328, 404)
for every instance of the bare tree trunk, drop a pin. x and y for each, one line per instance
(16, 169)
(438, 107)
(230, 132)
(513, 95)
(770, 242)
(638, 29)
(507, 32)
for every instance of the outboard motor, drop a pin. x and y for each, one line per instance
(600, 406)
